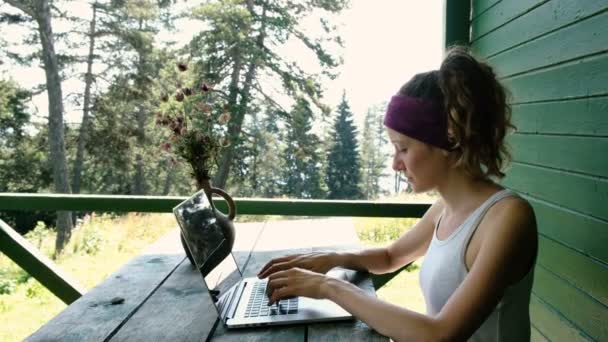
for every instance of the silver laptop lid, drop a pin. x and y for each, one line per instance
(204, 239)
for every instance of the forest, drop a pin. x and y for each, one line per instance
(111, 66)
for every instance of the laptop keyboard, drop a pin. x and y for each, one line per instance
(258, 303)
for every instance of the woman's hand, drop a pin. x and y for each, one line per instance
(295, 282)
(315, 262)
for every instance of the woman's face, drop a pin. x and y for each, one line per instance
(423, 165)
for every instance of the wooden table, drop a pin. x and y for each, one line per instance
(165, 299)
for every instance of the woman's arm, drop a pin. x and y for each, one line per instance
(406, 249)
(400, 252)
(512, 240)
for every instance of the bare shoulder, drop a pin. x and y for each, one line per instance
(513, 213)
(511, 227)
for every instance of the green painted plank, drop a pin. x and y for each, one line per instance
(580, 154)
(164, 204)
(587, 195)
(582, 117)
(549, 17)
(581, 78)
(536, 336)
(576, 306)
(582, 272)
(37, 265)
(584, 38)
(480, 6)
(552, 324)
(501, 13)
(580, 232)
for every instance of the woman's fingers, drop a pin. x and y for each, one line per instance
(265, 271)
(274, 285)
(281, 293)
(274, 269)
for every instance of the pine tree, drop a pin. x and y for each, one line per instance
(373, 156)
(301, 155)
(342, 174)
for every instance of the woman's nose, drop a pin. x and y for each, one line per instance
(397, 164)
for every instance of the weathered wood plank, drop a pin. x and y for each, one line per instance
(536, 336)
(481, 6)
(93, 318)
(576, 117)
(582, 39)
(552, 324)
(181, 310)
(38, 265)
(580, 232)
(549, 17)
(576, 306)
(584, 153)
(581, 271)
(501, 13)
(585, 194)
(580, 78)
(246, 206)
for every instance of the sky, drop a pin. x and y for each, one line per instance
(386, 43)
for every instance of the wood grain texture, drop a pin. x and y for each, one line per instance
(552, 324)
(578, 154)
(91, 318)
(584, 194)
(550, 16)
(570, 117)
(481, 6)
(580, 78)
(579, 270)
(586, 37)
(180, 310)
(584, 312)
(582, 233)
(501, 13)
(536, 336)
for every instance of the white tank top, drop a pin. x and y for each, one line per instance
(444, 269)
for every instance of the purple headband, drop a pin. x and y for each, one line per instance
(419, 119)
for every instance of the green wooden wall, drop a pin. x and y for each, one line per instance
(553, 55)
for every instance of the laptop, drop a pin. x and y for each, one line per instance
(242, 302)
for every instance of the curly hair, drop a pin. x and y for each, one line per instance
(476, 105)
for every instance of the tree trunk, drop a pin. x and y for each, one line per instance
(234, 130)
(140, 187)
(56, 125)
(84, 127)
(169, 178)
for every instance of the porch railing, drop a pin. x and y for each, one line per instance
(42, 269)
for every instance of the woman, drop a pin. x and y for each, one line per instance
(479, 239)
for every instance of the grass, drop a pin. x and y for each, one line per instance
(404, 289)
(97, 248)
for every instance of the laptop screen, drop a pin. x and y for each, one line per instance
(206, 242)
